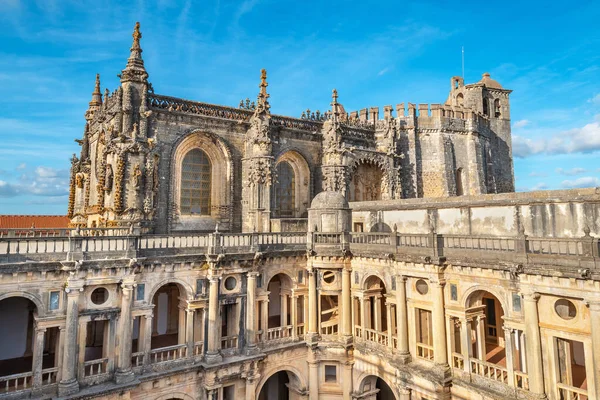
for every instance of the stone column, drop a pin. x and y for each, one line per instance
(346, 303)
(124, 372)
(595, 324)
(363, 316)
(402, 316)
(440, 351)
(251, 382)
(265, 320)
(214, 332)
(377, 311)
(60, 349)
(465, 344)
(534, 345)
(312, 302)
(69, 385)
(388, 310)
(250, 312)
(481, 350)
(404, 393)
(147, 338)
(189, 331)
(181, 323)
(283, 320)
(294, 321)
(38, 355)
(509, 351)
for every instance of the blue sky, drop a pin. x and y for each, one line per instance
(374, 52)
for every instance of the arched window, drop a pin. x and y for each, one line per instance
(485, 107)
(460, 100)
(284, 196)
(195, 183)
(497, 108)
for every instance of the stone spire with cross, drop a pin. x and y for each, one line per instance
(135, 71)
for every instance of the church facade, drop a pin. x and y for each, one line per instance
(222, 253)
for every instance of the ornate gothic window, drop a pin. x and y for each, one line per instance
(195, 183)
(284, 196)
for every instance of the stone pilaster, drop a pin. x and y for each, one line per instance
(38, 355)
(312, 303)
(346, 303)
(440, 351)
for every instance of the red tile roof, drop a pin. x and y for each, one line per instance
(35, 221)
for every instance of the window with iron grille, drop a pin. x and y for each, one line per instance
(195, 183)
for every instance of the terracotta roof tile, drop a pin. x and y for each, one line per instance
(35, 221)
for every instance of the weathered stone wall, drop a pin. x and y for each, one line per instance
(560, 213)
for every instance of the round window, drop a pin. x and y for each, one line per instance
(422, 286)
(329, 277)
(565, 309)
(99, 296)
(230, 283)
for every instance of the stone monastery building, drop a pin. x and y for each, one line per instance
(222, 253)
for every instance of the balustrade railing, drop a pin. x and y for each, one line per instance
(458, 361)
(358, 331)
(489, 370)
(521, 380)
(478, 243)
(329, 330)
(425, 351)
(199, 349)
(169, 353)
(567, 392)
(16, 382)
(49, 375)
(229, 342)
(374, 336)
(327, 238)
(137, 359)
(95, 367)
(300, 330)
(279, 332)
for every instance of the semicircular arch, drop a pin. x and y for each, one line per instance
(185, 289)
(364, 375)
(497, 293)
(39, 304)
(221, 175)
(369, 279)
(174, 396)
(279, 368)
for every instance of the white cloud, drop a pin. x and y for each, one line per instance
(595, 99)
(578, 140)
(583, 182)
(383, 71)
(45, 181)
(570, 172)
(21, 166)
(540, 186)
(521, 124)
(538, 174)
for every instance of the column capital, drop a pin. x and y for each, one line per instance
(402, 278)
(252, 274)
(440, 283)
(73, 291)
(40, 330)
(213, 279)
(593, 305)
(532, 296)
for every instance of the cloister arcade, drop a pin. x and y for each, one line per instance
(374, 388)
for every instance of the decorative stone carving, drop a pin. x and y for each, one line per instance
(260, 171)
(136, 177)
(108, 180)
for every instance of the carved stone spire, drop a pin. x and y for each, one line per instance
(96, 95)
(262, 102)
(335, 105)
(135, 71)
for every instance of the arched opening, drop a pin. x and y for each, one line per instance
(497, 108)
(483, 343)
(375, 388)
(284, 192)
(195, 196)
(460, 100)
(279, 322)
(459, 182)
(375, 317)
(282, 385)
(168, 323)
(485, 107)
(18, 341)
(366, 183)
